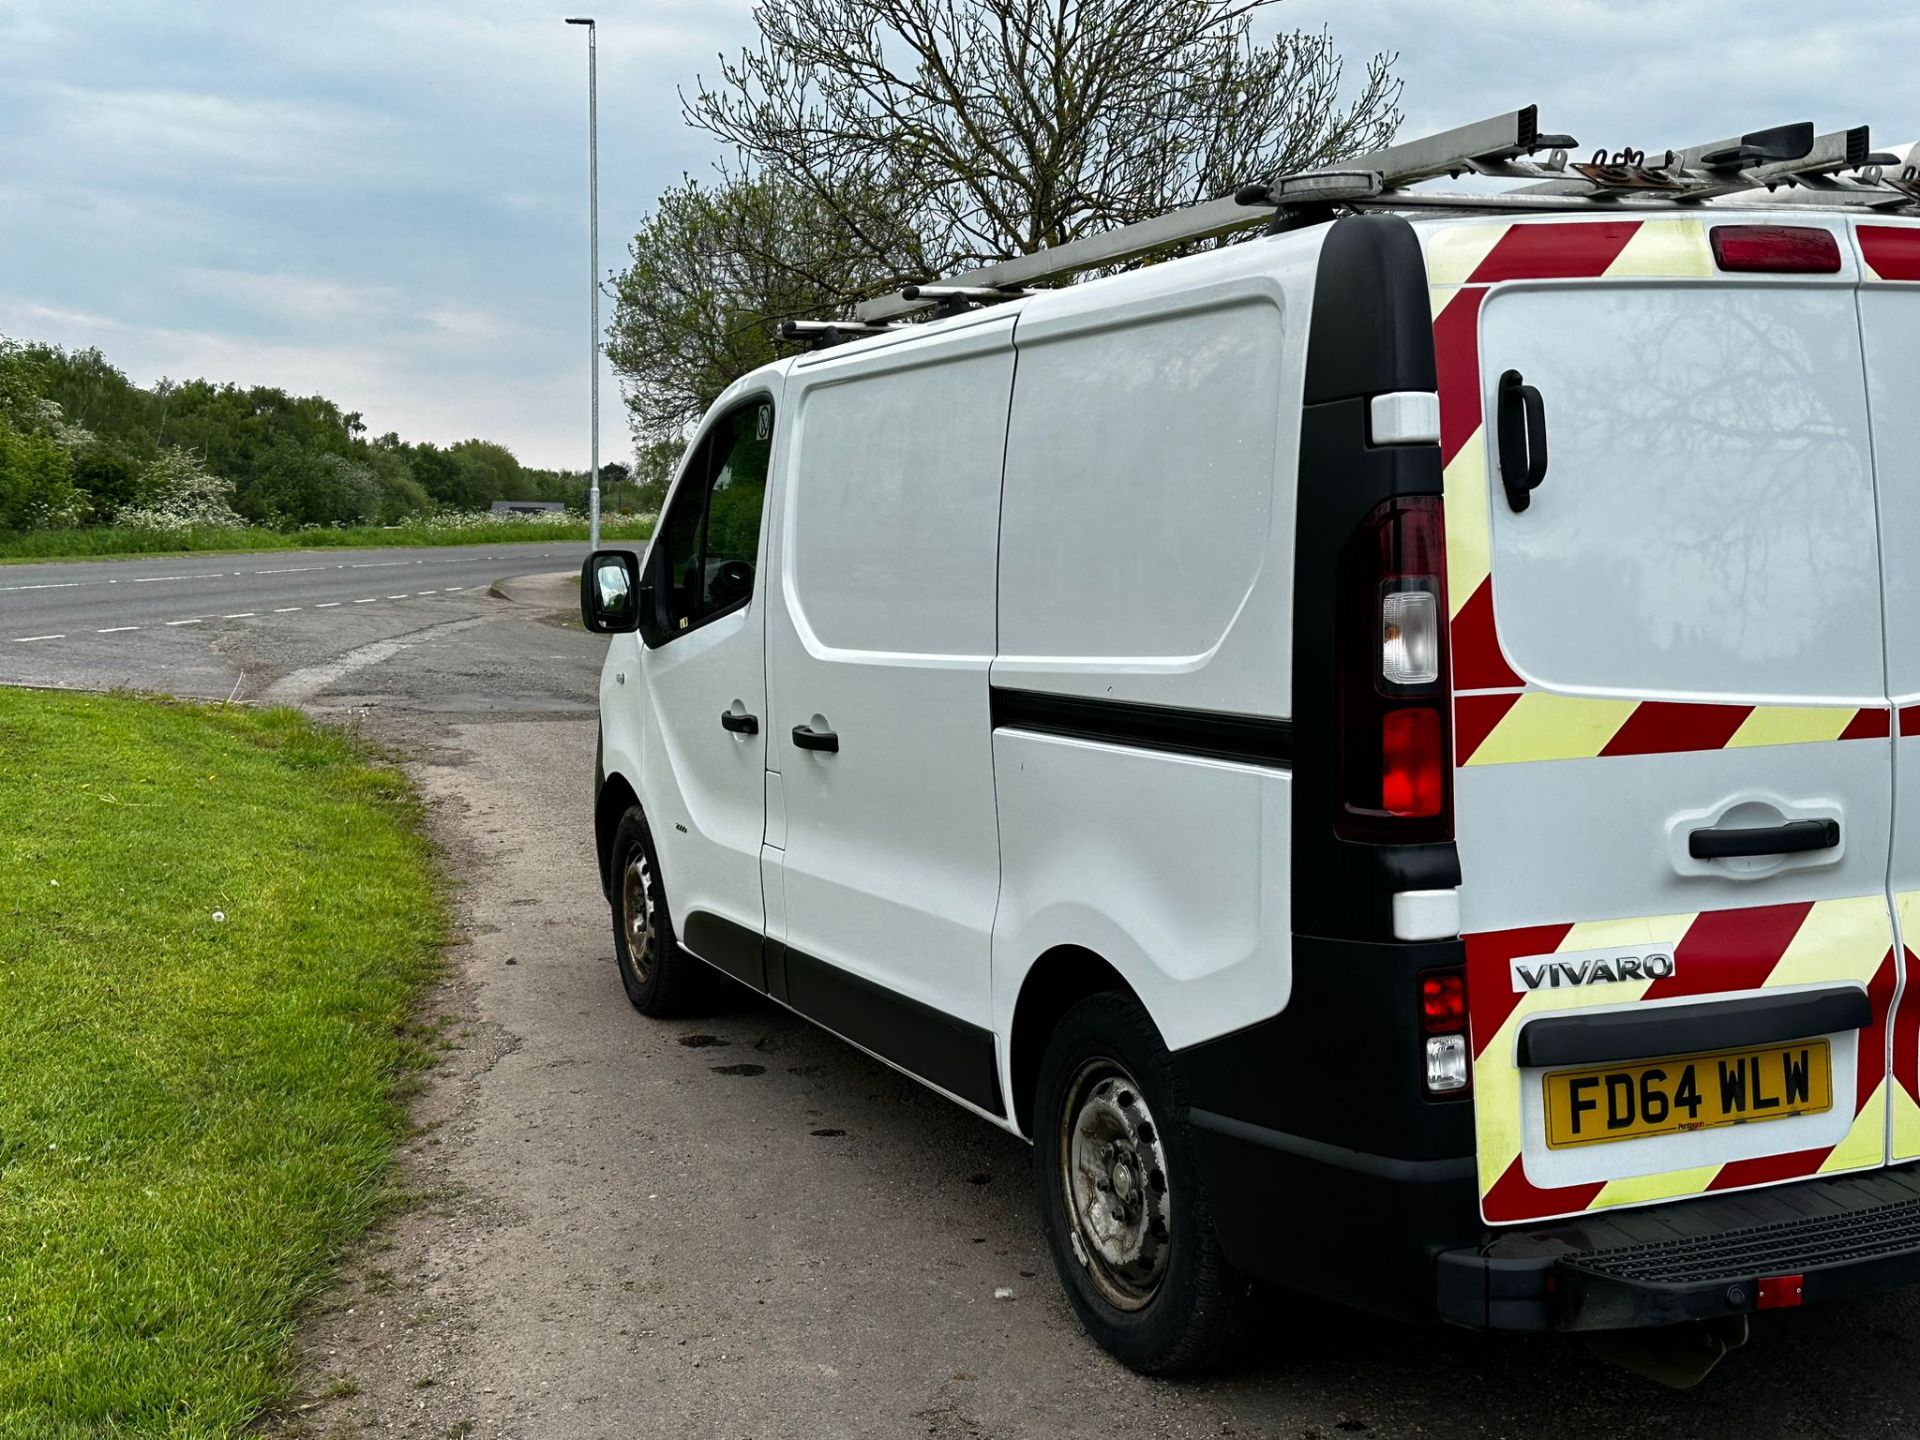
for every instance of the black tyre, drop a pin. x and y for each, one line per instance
(659, 977)
(1121, 1196)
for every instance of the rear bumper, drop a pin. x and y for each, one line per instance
(1800, 1243)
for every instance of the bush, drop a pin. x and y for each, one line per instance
(177, 493)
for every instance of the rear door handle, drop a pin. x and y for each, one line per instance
(1521, 422)
(738, 723)
(1793, 838)
(808, 738)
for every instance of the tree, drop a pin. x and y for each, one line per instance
(1006, 126)
(884, 141)
(714, 271)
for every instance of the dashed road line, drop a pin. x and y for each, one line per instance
(183, 622)
(241, 615)
(286, 609)
(328, 605)
(114, 629)
(29, 639)
(396, 597)
(370, 600)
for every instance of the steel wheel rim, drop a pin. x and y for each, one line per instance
(636, 913)
(1113, 1178)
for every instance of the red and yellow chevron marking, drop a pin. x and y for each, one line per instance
(1510, 727)
(1715, 952)
(1891, 252)
(1905, 1091)
(1498, 718)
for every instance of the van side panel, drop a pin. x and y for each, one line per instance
(1142, 686)
(881, 633)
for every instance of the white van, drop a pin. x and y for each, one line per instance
(1192, 720)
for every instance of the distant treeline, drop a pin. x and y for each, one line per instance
(81, 444)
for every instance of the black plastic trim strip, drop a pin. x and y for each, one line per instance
(1382, 1167)
(1648, 1032)
(940, 1048)
(726, 945)
(1248, 739)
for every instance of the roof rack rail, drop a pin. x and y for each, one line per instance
(819, 334)
(1787, 165)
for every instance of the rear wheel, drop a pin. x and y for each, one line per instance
(1125, 1211)
(659, 977)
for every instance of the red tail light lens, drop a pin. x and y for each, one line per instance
(1776, 250)
(1443, 1002)
(1396, 778)
(1412, 761)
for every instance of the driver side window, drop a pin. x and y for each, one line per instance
(711, 534)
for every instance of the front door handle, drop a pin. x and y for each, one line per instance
(739, 723)
(1793, 838)
(808, 738)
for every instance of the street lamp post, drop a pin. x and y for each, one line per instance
(593, 259)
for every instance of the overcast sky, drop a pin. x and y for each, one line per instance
(386, 203)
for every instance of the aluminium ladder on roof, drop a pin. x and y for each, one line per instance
(1785, 166)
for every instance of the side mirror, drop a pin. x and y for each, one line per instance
(611, 593)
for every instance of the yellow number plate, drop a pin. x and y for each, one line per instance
(1689, 1092)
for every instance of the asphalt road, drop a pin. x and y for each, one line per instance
(735, 1226)
(189, 625)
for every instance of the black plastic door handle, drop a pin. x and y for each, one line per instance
(1796, 837)
(808, 738)
(1522, 422)
(739, 724)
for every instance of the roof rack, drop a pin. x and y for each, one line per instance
(1786, 165)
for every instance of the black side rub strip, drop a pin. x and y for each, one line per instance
(1649, 1033)
(1249, 739)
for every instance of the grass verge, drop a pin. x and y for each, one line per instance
(214, 928)
(95, 542)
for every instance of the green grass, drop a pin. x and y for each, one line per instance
(196, 1114)
(95, 542)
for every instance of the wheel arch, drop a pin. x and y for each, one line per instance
(616, 796)
(1053, 985)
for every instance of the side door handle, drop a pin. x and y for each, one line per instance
(808, 738)
(1793, 838)
(738, 723)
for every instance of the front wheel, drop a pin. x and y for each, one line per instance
(1121, 1197)
(659, 977)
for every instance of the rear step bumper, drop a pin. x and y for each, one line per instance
(1700, 1259)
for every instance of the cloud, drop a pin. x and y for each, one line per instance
(386, 202)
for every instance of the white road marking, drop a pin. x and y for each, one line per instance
(29, 639)
(290, 570)
(328, 605)
(49, 585)
(183, 622)
(383, 564)
(371, 599)
(114, 629)
(241, 615)
(305, 683)
(426, 592)
(396, 597)
(286, 609)
(156, 579)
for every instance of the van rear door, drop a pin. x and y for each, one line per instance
(1673, 765)
(1890, 330)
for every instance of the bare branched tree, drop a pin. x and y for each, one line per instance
(1003, 126)
(878, 142)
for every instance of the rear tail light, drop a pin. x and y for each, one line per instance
(1776, 249)
(1396, 779)
(1443, 1027)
